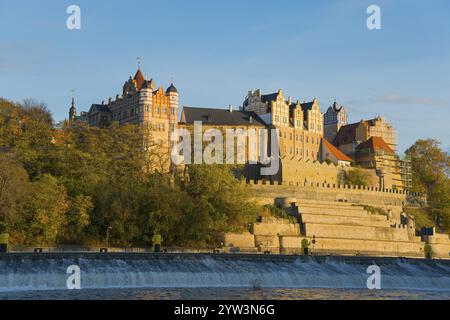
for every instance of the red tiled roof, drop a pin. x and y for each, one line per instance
(139, 78)
(376, 143)
(335, 151)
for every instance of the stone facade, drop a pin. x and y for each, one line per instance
(300, 125)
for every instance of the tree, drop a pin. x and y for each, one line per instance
(356, 177)
(45, 209)
(223, 198)
(77, 218)
(430, 164)
(72, 182)
(430, 170)
(14, 187)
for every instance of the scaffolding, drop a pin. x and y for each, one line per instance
(405, 172)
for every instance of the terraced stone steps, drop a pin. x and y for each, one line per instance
(357, 232)
(344, 212)
(342, 246)
(369, 221)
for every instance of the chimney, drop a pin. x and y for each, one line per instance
(230, 107)
(250, 120)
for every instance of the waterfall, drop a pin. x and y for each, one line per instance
(49, 272)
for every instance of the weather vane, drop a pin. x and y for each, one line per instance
(138, 59)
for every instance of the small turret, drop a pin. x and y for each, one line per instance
(72, 111)
(173, 96)
(171, 89)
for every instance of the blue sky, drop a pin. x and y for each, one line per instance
(218, 50)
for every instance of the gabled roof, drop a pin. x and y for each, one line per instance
(220, 117)
(335, 151)
(100, 108)
(375, 144)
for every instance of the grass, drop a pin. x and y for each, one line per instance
(376, 210)
(422, 217)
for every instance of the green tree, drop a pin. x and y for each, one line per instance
(430, 169)
(77, 219)
(356, 177)
(223, 198)
(46, 208)
(14, 187)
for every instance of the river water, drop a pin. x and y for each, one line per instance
(227, 294)
(171, 277)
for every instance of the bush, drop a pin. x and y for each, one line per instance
(356, 177)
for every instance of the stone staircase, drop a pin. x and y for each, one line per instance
(343, 228)
(337, 228)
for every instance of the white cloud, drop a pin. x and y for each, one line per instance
(395, 98)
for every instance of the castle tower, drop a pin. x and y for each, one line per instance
(72, 111)
(334, 119)
(172, 93)
(145, 102)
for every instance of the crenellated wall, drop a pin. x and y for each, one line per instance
(265, 193)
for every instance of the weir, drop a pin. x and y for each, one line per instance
(48, 271)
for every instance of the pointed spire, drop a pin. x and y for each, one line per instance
(72, 110)
(139, 79)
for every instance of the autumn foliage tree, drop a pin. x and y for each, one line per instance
(431, 169)
(70, 183)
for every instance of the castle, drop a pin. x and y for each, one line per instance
(316, 154)
(140, 103)
(314, 147)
